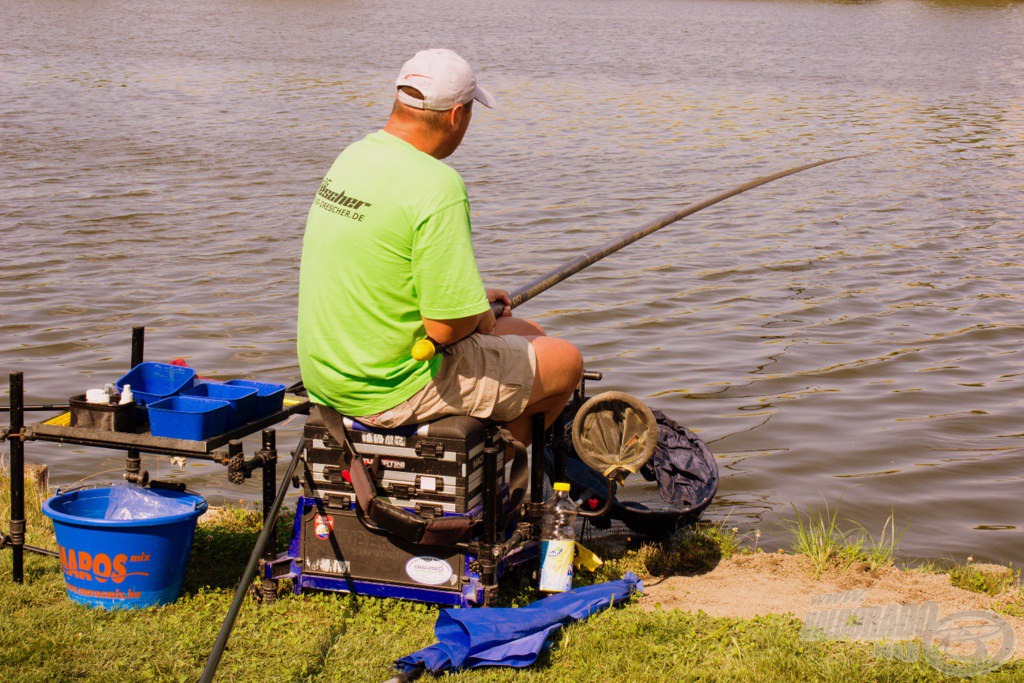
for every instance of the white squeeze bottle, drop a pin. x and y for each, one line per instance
(126, 395)
(557, 541)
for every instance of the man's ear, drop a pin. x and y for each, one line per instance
(455, 115)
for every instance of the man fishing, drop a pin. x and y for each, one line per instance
(387, 260)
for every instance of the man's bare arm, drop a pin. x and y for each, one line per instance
(450, 331)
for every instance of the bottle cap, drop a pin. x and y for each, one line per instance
(561, 486)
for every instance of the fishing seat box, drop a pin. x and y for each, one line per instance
(333, 551)
(431, 469)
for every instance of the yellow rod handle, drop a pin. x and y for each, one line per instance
(424, 350)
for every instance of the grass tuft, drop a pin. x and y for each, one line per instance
(820, 537)
(881, 552)
(987, 580)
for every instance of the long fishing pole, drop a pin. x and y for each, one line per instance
(43, 407)
(269, 527)
(48, 407)
(425, 349)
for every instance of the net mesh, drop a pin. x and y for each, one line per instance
(668, 491)
(614, 434)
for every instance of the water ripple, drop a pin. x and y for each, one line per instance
(850, 334)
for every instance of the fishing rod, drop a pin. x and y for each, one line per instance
(425, 349)
(48, 407)
(44, 407)
(269, 527)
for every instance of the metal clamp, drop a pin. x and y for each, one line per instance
(338, 501)
(334, 474)
(428, 510)
(17, 536)
(430, 449)
(397, 490)
(240, 469)
(21, 434)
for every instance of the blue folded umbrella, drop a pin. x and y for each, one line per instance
(511, 636)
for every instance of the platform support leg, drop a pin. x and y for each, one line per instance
(138, 344)
(490, 494)
(17, 477)
(133, 466)
(558, 447)
(486, 557)
(537, 465)
(133, 471)
(268, 454)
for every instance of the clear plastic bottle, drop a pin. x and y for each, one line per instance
(557, 541)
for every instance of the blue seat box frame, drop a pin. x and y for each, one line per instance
(331, 549)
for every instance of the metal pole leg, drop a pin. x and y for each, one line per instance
(17, 478)
(138, 344)
(133, 471)
(537, 461)
(268, 587)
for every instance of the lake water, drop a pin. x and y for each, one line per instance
(849, 336)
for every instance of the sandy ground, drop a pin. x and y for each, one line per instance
(855, 604)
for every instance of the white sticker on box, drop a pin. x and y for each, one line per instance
(430, 571)
(428, 484)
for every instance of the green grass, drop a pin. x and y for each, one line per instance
(983, 580)
(820, 536)
(1002, 583)
(694, 550)
(334, 637)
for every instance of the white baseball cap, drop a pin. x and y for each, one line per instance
(444, 78)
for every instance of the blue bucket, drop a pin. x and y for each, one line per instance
(121, 564)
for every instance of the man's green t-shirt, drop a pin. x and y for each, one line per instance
(387, 244)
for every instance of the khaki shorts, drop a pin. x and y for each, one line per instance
(486, 376)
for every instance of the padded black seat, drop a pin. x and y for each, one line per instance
(449, 427)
